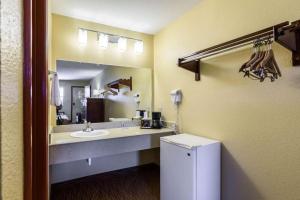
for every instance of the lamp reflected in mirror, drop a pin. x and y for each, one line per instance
(138, 47)
(103, 40)
(82, 36)
(122, 44)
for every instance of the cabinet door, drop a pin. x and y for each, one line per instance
(178, 176)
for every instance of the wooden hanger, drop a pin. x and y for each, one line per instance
(262, 63)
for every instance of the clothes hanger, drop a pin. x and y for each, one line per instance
(262, 63)
(114, 93)
(266, 59)
(261, 57)
(271, 64)
(275, 64)
(258, 55)
(255, 50)
(254, 56)
(244, 66)
(259, 67)
(251, 75)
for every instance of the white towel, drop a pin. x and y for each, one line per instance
(55, 95)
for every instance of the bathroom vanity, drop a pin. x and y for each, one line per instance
(66, 148)
(108, 98)
(73, 157)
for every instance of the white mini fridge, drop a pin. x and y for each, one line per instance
(190, 168)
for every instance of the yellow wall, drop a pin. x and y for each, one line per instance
(11, 101)
(65, 46)
(258, 123)
(51, 109)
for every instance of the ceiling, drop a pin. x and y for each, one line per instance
(68, 70)
(146, 16)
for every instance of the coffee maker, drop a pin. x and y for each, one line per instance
(156, 120)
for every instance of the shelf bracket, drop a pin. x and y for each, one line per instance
(193, 66)
(289, 37)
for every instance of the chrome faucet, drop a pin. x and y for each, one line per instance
(88, 127)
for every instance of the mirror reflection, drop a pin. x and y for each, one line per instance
(88, 92)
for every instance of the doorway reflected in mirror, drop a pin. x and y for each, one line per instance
(101, 93)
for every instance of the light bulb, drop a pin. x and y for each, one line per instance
(82, 36)
(138, 47)
(103, 40)
(122, 44)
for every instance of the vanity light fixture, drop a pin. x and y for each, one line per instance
(82, 36)
(138, 47)
(103, 40)
(122, 44)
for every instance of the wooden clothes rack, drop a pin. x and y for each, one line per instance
(116, 84)
(286, 34)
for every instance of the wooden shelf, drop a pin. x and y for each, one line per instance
(117, 84)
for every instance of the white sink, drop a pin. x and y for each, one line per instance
(95, 133)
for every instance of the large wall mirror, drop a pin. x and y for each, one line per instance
(101, 93)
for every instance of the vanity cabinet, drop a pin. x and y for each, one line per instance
(121, 148)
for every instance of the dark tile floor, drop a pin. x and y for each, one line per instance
(138, 183)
